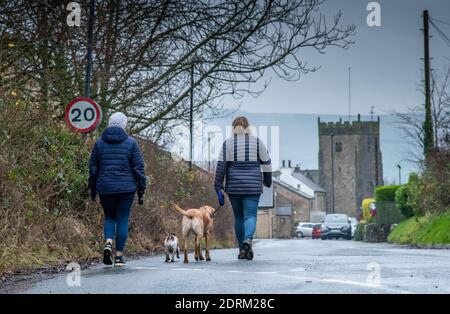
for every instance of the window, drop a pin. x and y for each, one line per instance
(338, 147)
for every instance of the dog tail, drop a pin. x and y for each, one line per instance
(181, 210)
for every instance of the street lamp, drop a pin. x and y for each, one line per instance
(399, 174)
(209, 147)
(195, 59)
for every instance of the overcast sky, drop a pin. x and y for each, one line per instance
(386, 63)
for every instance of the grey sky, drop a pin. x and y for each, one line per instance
(386, 63)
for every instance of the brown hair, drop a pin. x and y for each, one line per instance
(241, 125)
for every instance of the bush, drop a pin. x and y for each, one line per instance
(434, 184)
(385, 193)
(406, 196)
(359, 232)
(402, 195)
(388, 213)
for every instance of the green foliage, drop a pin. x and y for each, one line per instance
(406, 196)
(359, 232)
(385, 193)
(429, 229)
(388, 213)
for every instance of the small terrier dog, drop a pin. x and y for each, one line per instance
(171, 247)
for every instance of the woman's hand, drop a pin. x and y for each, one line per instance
(220, 198)
(140, 194)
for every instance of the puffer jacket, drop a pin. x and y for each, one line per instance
(116, 164)
(244, 164)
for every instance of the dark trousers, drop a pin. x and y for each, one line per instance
(117, 209)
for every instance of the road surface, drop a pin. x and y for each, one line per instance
(280, 266)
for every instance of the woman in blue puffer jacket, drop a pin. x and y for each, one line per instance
(245, 165)
(116, 172)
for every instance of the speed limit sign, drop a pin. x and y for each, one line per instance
(83, 115)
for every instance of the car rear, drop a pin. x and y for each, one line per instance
(336, 226)
(316, 231)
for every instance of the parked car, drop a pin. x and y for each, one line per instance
(304, 229)
(336, 226)
(316, 231)
(354, 223)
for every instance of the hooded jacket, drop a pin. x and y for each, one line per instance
(116, 164)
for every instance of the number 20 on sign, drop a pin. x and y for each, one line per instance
(83, 115)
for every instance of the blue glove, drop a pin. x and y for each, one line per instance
(220, 198)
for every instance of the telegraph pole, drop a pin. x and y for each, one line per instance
(428, 123)
(349, 94)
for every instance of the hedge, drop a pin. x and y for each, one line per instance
(385, 193)
(388, 213)
(359, 232)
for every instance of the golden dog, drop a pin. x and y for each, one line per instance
(199, 222)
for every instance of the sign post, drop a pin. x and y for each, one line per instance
(83, 115)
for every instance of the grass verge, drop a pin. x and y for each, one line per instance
(426, 230)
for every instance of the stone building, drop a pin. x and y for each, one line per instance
(350, 163)
(296, 199)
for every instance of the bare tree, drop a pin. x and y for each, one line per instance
(144, 52)
(412, 122)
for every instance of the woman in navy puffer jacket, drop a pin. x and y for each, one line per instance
(245, 166)
(116, 172)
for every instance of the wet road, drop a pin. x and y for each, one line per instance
(280, 266)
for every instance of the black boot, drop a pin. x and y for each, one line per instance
(247, 245)
(242, 254)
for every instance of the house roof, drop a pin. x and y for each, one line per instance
(292, 189)
(313, 185)
(312, 174)
(300, 185)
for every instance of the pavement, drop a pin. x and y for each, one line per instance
(280, 266)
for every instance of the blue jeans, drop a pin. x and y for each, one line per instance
(245, 208)
(117, 209)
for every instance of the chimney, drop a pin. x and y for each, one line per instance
(284, 163)
(289, 164)
(297, 168)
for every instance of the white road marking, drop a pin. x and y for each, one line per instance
(187, 269)
(145, 267)
(265, 272)
(298, 269)
(345, 282)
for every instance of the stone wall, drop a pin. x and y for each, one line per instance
(301, 206)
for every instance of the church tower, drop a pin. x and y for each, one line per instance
(350, 163)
